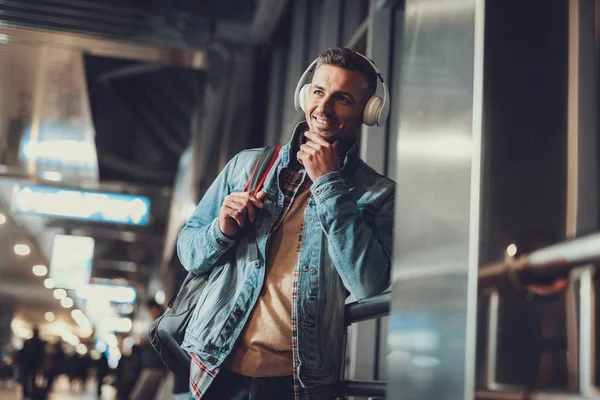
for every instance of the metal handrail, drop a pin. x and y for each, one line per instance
(529, 395)
(360, 388)
(542, 265)
(369, 308)
(362, 310)
(545, 264)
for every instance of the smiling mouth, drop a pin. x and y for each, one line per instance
(324, 122)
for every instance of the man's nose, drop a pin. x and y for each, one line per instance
(326, 105)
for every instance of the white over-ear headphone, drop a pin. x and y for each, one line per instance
(376, 110)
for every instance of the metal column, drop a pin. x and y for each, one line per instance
(432, 326)
(582, 189)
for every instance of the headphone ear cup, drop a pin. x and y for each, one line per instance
(302, 96)
(372, 111)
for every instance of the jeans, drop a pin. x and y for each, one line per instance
(231, 386)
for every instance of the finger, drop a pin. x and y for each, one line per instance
(336, 146)
(313, 145)
(243, 205)
(236, 203)
(303, 157)
(250, 211)
(247, 196)
(305, 148)
(234, 213)
(260, 196)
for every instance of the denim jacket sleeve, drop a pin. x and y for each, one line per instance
(200, 243)
(361, 251)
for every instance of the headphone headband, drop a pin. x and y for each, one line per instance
(376, 109)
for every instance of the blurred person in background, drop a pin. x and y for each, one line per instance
(56, 364)
(31, 360)
(15, 362)
(5, 368)
(71, 368)
(153, 371)
(128, 371)
(102, 369)
(80, 371)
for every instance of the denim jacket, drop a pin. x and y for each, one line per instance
(345, 249)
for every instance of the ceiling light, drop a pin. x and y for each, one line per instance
(39, 270)
(66, 302)
(511, 250)
(129, 342)
(160, 297)
(49, 316)
(49, 283)
(125, 308)
(111, 340)
(52, 176)
(70, 338)
(2, 219)
(60, 294)
(81, 349)
(22, 249)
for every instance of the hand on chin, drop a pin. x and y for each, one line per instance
(318, 155)
(327, 134)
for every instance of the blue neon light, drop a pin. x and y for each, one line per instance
(79, 204)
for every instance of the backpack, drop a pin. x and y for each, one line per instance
(167, 332)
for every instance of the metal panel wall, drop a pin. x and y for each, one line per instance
(432, 324)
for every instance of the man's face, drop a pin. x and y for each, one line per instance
(335, 103)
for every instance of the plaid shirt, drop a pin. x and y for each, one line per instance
(201, 376)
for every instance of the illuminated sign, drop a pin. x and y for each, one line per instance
(111, 293)
(116, 324)
(85, 205)
(71, 261)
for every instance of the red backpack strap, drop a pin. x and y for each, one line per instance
(251, 176)
(266, 172)
(261, 169)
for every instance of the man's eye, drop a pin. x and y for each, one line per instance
(343, 100)
(319, 92)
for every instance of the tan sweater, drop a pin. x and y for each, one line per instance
(264, 348)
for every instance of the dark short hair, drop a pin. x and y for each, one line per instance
(349, 59)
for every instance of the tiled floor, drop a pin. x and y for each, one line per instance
(62, 391)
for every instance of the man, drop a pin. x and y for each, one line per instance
(31, 359)
(270, 323)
